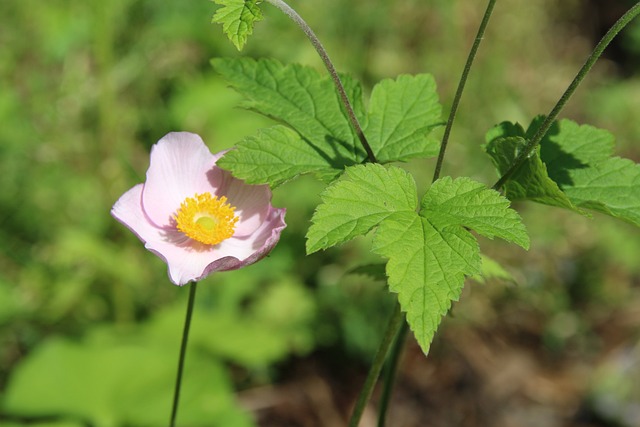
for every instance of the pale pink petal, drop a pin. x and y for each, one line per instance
(128, 210)
(186, 259)
(185, 263)
(177, 170)
(252, 202)
(242, 252)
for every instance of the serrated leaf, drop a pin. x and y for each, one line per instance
(576, 159)
(429, 252)
(402, 113)
(357, 202)
(569, 146)
(471, 204)
(611, 187)
(426, 267)
(531, 181)
(237, 18)
(299, 97)
(274, 156)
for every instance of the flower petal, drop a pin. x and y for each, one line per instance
(191, 261)
(185, 263)
(242, 252)
(178, 169)
(252, 202)
(128, 210)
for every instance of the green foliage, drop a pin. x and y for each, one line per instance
(237, 18)
(359, 201)
(572, 168)
(402, 113)
(430, 252)
(275, 155)
(111, 380)
(131, 371)
(531, 181)
(300, 98)
(470, 204)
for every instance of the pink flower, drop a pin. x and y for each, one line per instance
(196, 216)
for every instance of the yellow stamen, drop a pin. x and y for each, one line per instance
(206, 218)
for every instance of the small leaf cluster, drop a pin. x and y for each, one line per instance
(572, 168)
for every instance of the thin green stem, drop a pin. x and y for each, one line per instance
(183, 351)
(461, 84)
(398, 343)
(595, 55)
(390, 376)
(395, 322)
(284, 7)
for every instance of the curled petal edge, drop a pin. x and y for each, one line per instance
(275, 222)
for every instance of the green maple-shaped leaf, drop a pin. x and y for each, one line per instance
(468, 203)
(298, 97)
(260, 158)
(357, 202)
(237, 18)
(431, 251)
(402, 114)
(426, 268)
(572, 168)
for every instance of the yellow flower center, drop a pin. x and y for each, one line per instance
(206, 218)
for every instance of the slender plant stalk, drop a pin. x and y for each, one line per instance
(461, 84)
(401, 332)
(295, 17)
(390, 376)
(595, 55)
(395, 322)
(183, 351)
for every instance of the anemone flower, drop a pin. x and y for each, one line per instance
(196, 216)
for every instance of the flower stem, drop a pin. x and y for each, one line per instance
(183, 351)
(461, 84)
(595, 55)
(394, 325)
(295, 17)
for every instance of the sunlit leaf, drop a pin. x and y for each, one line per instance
(308, 103)
(357, 202)
(237, 18)
(402, 113)
(431, 251)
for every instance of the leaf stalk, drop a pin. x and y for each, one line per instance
(295, 17)
(591, 60)
(461, 85)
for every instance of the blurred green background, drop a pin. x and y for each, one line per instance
(90, 324)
